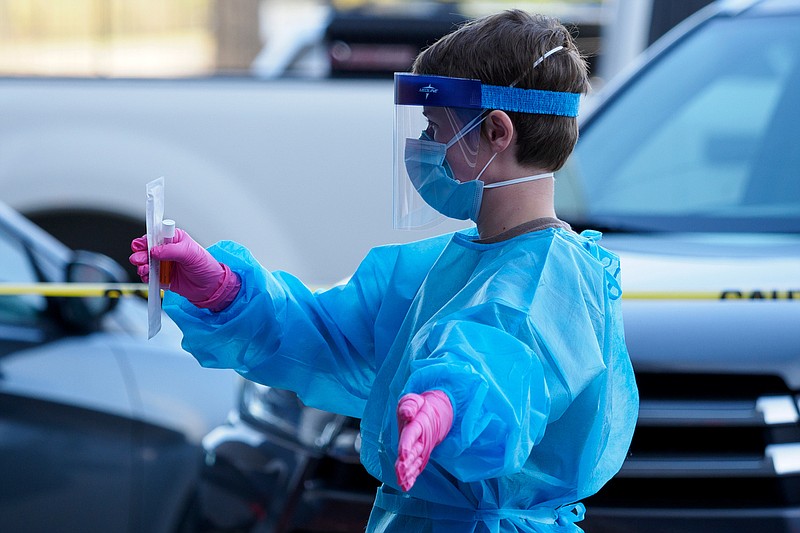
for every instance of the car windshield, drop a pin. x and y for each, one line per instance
(704, 139)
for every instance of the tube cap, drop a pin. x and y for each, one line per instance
(168, 226)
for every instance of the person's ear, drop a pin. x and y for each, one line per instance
(499, 130)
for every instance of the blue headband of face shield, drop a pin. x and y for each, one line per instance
(426, 188)
(441, 91)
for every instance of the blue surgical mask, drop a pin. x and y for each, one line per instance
(433, 179)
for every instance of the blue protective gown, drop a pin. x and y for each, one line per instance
(525, 336)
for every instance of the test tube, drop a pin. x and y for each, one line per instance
(166, 266)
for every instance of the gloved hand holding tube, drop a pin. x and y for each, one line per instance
(423, 421)
(195, 274)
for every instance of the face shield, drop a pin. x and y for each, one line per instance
(437, 143)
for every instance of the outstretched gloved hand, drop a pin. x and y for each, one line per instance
(196, 275)
(424, 421)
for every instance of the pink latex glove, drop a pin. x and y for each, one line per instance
(196, 275)
(423, 421)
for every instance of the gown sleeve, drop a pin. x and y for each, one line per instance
(279, 333)
(510, 368)
(495, 384)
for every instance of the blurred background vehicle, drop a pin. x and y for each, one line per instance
(256, 112)
(689, 165)
(100, 430)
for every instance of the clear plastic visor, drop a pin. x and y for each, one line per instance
(450, 141)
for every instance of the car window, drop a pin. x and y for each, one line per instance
(705, 136)
(16, 267)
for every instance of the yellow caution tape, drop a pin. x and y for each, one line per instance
(75, 290)
(678, 295)
(117, 290)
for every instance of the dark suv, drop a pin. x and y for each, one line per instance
(689, 165)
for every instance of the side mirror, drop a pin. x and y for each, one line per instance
(84, 314)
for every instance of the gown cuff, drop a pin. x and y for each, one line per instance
(225, 294)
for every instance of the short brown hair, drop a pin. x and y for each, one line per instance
(501, 49)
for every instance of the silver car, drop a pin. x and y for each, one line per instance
(100, 429)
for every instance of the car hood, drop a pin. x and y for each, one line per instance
(712, 303)
(749, 265)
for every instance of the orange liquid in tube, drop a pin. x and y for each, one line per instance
(166, 266)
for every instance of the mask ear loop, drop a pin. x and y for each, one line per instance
(471, 125)
(468, 128)
(485, 167)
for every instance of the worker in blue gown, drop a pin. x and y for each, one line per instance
(488, 366)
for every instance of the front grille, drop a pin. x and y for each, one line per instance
(710, 441)
(703, 441)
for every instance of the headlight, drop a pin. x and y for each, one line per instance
(282, 410)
